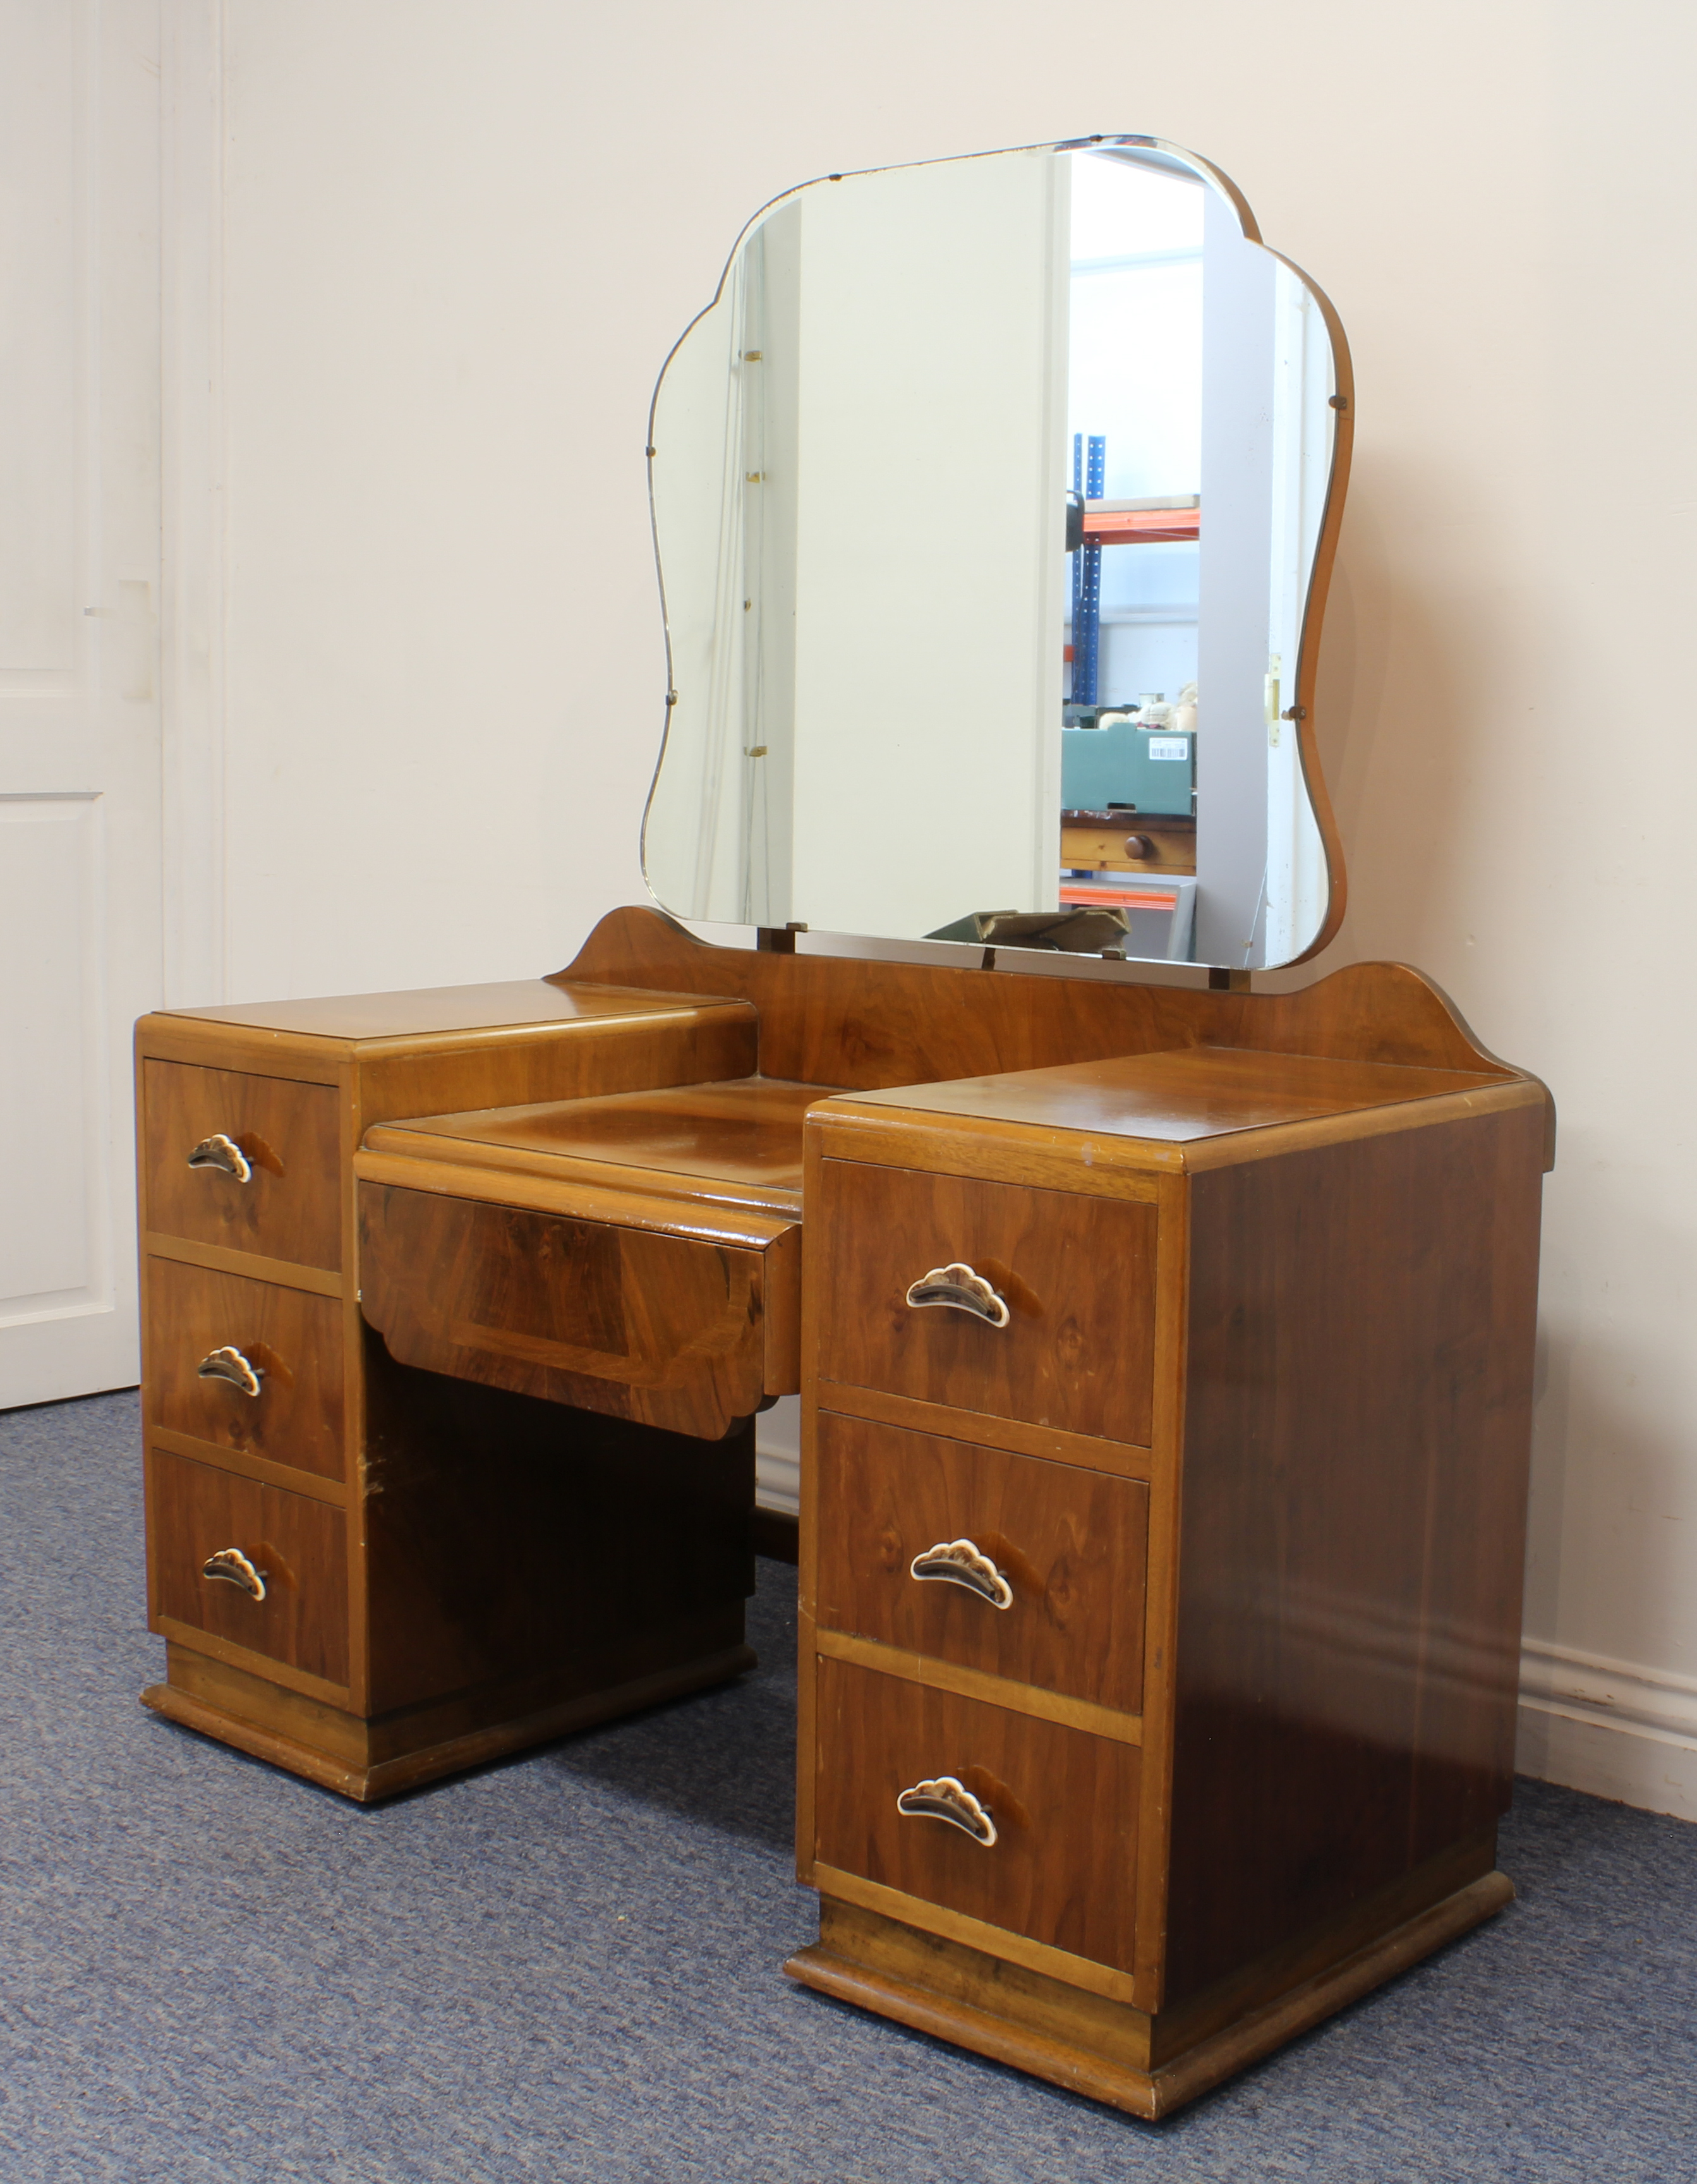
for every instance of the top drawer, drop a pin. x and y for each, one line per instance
(1075, 1273)
(287, 1135)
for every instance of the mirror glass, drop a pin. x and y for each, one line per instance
(988, 495)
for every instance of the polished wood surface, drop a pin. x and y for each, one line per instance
(198, 1511)
(290, 1207)
(1077, 1273)
(865, 1024)
(659, 1329)
(1348, 1636)
(1070, 1544)
(1184, 1094)
(517, 1004)
(291, 1336)
(1064, 1805)
(738, 1142)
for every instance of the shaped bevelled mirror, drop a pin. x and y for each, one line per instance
(994, 500)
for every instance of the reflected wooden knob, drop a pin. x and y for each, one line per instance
(229, 1364)
(947, 1799)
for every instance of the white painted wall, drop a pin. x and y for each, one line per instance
(459, 242)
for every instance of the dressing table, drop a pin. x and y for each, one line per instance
(1165, 1349)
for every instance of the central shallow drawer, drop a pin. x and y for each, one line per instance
(298, 1546)
(634, 1323)
(291, 1340)
(1065, 1548)
(1063, 1804)
(1076, 1273)
(285, 1136)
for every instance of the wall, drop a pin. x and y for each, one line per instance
(461, 238)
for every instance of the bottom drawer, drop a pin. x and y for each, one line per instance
(300, 1547)
(1063, 1802)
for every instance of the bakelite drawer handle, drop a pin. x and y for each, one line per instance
(229, 1364)
(946, 1799)
(959, 1562)
(224, 1154)
(234, 1567)
(958, 1287)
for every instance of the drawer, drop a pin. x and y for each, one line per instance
(300, 1547)
(292, 1340)
(1063, 1804)
(1077, 1275)
(289, 1135)
(1070, 1546)
(634, 1323)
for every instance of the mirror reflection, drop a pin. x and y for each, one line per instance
(986, 496)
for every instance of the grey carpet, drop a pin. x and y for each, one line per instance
(567, 1967)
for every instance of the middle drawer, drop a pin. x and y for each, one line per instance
(290, 1340)
(1067, 1548)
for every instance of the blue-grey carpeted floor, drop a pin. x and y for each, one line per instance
(567, 1967)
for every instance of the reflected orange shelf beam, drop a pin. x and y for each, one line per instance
(1075, 891)
(1140, 526)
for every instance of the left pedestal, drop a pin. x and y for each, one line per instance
(369, 1575)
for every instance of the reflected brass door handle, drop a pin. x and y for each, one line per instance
(959, 1562)
(234, 1567)
(224, 1154)
(957, 1286)
(229, 1364)
(946, 1799)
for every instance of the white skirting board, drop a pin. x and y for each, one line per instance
(1613, 1728)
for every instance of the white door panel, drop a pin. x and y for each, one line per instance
(80, 867)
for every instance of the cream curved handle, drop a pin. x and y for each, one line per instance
(224, 1155)
(946, 1799)
(957, 1286)
(234, 1567)
(960, 1561)
(229, 1364)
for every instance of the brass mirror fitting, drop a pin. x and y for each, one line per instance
(230, 1564)
(946, 1799)
(229, 1364)
(959, 1562)
(958, 1287)
(224, 1154)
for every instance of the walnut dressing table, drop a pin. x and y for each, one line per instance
(1165, 1350)
(449, 1402)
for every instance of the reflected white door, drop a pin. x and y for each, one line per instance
(79, 830)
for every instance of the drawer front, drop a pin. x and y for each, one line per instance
(290, 1338)
(1077, 1274)
(1069, 1545)
(631, 1322)
(1063, 1804)
(300, 1548)
(289, 1135)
